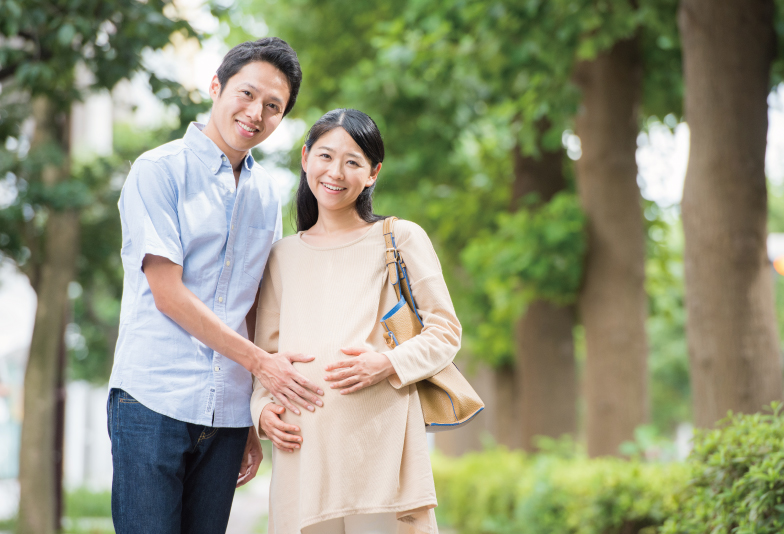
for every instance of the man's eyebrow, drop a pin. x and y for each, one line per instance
(249, 85)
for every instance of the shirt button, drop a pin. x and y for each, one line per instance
(217, 368)
(228, 263)
(232, 227)
(220, 299)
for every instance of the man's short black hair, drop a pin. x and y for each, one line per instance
(274, 51)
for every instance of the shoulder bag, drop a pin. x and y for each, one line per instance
(448, 400)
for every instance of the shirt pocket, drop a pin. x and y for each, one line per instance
(257, 249)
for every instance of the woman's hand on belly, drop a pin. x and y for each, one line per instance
(366, 369)
(281, 434)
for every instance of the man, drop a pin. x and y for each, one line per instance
(198, 220)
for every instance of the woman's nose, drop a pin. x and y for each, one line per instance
(335, 169)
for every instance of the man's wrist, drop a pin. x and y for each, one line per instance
(260, 359)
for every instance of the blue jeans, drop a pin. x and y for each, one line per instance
(169, 476)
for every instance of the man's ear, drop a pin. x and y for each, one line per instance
(373, 176)
(215, 87)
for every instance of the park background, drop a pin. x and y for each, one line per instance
(603, 182)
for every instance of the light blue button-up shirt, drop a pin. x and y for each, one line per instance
(180, 202)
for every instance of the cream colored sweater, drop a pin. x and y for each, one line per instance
(365, 452)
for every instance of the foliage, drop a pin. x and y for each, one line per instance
(82, 502)
(731, 484)
(502, 492)
(533, 253)
(736, 484)
(668, 359)
(63, 51)
(457, 87)
(45, 41)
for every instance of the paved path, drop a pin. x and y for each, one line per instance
(250, 506)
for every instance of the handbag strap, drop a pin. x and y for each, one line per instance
(396, 265)
(392, 254)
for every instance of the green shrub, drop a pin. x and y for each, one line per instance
(737, 483)
(82, 502)
(503, 492)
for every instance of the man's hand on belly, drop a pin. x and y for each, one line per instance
(366, 369)
(285, 383)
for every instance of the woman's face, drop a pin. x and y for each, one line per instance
(337, 170)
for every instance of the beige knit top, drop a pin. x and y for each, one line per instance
(365, 452)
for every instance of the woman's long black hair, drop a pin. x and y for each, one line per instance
(365, 133)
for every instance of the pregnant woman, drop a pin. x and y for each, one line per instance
(360, 464)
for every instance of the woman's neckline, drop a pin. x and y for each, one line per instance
(341, 245)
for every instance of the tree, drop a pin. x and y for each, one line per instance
(728, 50)
(41, 48)
(457, 86)
(613, 303)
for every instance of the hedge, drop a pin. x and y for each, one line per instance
(733, 483)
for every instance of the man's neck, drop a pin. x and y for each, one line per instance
(235, 157)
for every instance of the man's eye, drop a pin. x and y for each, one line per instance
(274, 106)
(246, 93)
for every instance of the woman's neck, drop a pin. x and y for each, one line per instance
(335, 227)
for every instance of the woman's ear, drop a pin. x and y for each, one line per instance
(304, 157)
(373, 175)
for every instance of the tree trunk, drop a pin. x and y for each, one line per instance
(733, 343)
(545, 369)
(612, 302)
(506, 429)
(37, 462)
(546, 373)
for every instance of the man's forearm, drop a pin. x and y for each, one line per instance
(184, 308)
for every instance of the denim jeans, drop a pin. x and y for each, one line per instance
(169, 476)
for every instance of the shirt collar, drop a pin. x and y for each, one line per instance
(207, 151)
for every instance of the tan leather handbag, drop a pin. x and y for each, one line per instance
(448, 400)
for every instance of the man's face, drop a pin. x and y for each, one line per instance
(249, 107)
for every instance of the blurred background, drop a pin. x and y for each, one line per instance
(603, 181)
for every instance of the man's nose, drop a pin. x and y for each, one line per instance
(256, 111)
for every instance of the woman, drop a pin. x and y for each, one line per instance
(360, 463)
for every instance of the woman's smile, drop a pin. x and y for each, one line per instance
(333, 189)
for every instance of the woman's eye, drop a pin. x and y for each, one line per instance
(326, 156)
(352, 162)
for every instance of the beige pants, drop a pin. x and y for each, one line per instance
(356, 524)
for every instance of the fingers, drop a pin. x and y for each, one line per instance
(300, 358)
(285, 441)
(345, 373)
(350, 381)
(299, 387)
(307, 384)
(353, 351)
(282, 396)
(356, 387)
(338, 365)
(279, 432)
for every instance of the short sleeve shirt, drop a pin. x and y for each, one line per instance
(180, 202)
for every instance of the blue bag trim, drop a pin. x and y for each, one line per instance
(408, 284)
(457, 424)
(394, 310)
